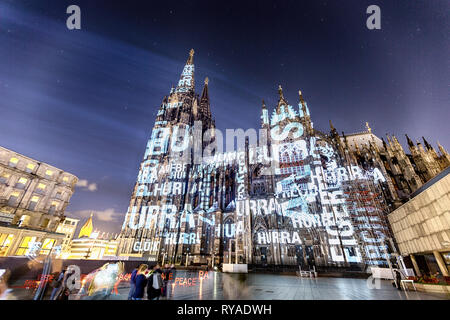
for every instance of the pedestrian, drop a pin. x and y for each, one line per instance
(140, 283)
(165, 276)
(398, 278)
(173, 271)
(57, 284)
(67, 284)
(133, 281)
(5, 291)
(155, 284)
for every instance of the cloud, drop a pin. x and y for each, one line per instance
(107, 215)
(85, 185)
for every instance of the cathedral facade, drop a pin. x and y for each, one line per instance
(294, 197)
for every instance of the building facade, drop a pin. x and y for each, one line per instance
(33, 199)
(67, 227)
(92, 244)
(293, 196)
(421, 226)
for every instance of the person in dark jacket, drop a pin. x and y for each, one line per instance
(57, 283)
(155, 284)
(133, 281)
(398, 279)
(140, 283)
(165, 278)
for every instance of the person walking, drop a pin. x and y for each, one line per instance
(398, 279)
(155, 284)
(56, 284)
(5, 291)
(165, 278)
(133, 281)
(140, 283)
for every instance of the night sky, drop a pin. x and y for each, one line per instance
(85, 100)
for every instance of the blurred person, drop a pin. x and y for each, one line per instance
(155, 284)
(5, 291)
(398, 279)
(56, 283)
(67, 283)
(104, 280)
(133, 281)
(140, 283)
(165, 278)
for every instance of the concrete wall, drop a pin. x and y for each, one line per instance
(423, 223)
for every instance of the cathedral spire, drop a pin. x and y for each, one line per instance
(191, 57)
(205, 93)
(205, 108)
(441, 149)
(264, 114)
(410, 143)
(280, 92)
(301, 97)
(186, 83)
(384, 143)
(429, 146)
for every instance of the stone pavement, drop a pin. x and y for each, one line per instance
(187, 285)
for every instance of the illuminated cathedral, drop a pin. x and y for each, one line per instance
(295, 198)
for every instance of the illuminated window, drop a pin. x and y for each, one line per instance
(13, 198)
(30, 167)
(13, 161)
(53, 207)
(49, 173)
(21, 183)
(66, 179)
(45, 223)
(41, 187)
(24, 220)
(5, 243)
(4, 177)
(33, 203)
(25, 246)
(47, 245)
(23, 180)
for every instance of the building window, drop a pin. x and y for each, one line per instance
(45, 223)
(66, 179)
(48, 173)
(47, 246)
(41, 188)
(24, 220)
(13, 199)
(58, 195)
(21, 183)
(5, 243)
(30, 167)
(13, 162)
(33, 203)
(25, 246)
(4, 177)
(53, 207)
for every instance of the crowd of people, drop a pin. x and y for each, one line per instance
(152, 281)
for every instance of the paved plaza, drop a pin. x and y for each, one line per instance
(220, 286)
(191, 285)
